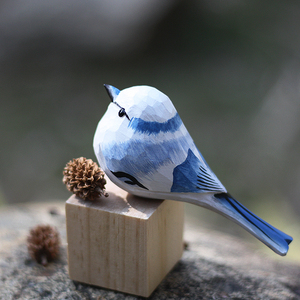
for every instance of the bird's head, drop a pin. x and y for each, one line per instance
(138, 105)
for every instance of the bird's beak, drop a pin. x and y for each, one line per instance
(112, 92)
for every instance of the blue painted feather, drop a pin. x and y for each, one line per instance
(148, 127)
(264, 231)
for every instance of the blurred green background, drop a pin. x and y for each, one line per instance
(231, 68)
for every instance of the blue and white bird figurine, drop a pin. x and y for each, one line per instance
(143, 146)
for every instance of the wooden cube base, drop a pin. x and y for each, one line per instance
(123, 242)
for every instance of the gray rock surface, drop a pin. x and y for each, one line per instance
(214, 266)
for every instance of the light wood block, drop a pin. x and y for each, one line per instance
(123, 242)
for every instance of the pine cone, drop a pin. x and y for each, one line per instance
(43, 244)
(84, 178)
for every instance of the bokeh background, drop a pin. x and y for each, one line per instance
(231, 68)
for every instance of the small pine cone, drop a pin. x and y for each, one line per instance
(43, 244)
(84, 178)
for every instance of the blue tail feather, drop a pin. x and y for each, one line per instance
(271, 236)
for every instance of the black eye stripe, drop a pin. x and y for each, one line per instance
(122, 111)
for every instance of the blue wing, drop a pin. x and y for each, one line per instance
(193, 176)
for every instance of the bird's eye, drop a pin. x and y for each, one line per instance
(122, 112)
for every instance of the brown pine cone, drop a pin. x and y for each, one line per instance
(84, 178)
(43, 244)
